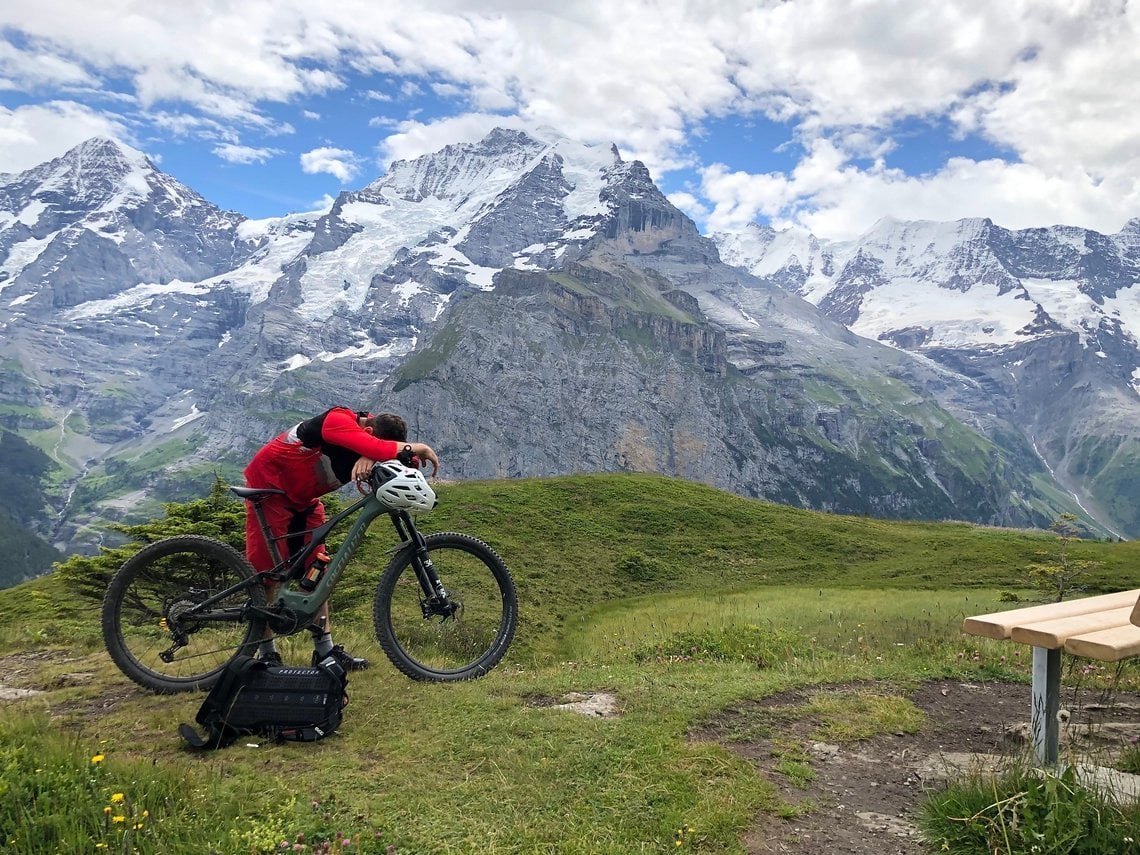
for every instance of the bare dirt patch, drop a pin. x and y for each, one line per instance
(862, 797)
(39, 672)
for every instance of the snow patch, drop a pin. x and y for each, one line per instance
(21, 255)
(297, 360)
(31, 213)
(194, 414)
(133, 297)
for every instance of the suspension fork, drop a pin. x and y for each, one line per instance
(435, 595)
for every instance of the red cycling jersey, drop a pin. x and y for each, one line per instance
(309, 460)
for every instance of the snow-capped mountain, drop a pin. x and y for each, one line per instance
(82, 226)
(533, 305)
(1049, 318)
(899, 279)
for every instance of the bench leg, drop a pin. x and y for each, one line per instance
(1046, 704)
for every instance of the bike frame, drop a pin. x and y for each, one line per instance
(294, 610)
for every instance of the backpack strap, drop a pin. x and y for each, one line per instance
(191, 736)
(215, 708)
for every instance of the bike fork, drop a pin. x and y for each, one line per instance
(437, 600)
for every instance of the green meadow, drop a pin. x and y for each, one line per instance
(678, 600)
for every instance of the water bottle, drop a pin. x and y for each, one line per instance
(316, 570)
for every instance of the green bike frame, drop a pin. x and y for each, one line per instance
(302, 606)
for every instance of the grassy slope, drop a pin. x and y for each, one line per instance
(679, 599)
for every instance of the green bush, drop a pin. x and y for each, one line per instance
(219, 515)
(1129, 760)
(641, 568)
(1028, 811)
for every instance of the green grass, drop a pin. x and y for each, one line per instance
(680, 600)
(1025, 811)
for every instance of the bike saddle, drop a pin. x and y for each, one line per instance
(255, 493)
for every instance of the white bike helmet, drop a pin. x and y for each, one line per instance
(399, 487)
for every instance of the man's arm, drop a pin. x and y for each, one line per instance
(342, 428)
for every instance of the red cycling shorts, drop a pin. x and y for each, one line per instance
(304, 475)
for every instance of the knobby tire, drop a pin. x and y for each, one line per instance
(462, 647)
(166, 577)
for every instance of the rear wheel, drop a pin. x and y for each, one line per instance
(149, 627)
(459, 636)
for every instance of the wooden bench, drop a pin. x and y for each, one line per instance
(1105, 627)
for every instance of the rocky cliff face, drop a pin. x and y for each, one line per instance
(649, 353)
(532, 305)
(103, 322)
(1043, 320)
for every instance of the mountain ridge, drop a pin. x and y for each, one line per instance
(1051, 325)
(365, 303)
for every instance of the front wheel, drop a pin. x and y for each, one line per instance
(153, 624)
(457, 636)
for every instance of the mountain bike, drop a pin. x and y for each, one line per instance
(445, 607)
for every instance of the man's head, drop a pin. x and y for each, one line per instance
(388, 426)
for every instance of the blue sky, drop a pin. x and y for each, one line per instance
(828, 114)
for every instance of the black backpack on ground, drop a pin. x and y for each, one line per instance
(271, 701)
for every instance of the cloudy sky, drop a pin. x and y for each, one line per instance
(825, 113)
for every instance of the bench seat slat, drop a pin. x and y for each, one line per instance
(1052, 633)
(1000, 624)
(1109, 645)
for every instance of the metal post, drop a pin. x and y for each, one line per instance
(1046, 704)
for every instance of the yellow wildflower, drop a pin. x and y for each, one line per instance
(116, 798)
(119, 818)
(98, 758)
(106, 810)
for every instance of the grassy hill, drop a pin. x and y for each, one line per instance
(678, 599)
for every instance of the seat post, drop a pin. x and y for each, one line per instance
(254, 495)
(271, 542)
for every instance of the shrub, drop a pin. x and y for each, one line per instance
(219, 515)
(1026, 811)
(641, 568)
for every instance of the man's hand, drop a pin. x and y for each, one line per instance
(425, 453)
(362, 468)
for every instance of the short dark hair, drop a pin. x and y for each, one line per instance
(389, 426)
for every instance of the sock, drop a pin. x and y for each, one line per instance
(266, 647)
(323, 644)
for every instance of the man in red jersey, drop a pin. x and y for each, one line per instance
(310, 459)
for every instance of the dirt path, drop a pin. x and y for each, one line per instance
(866, 794)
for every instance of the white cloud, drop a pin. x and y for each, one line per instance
(338, 162)
(413, 138)
(1048, 81)
(33, 133)
(311, 115)
(322, 205)
(244, 154)
(840, 201)
(29, 69)
(690, 204)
